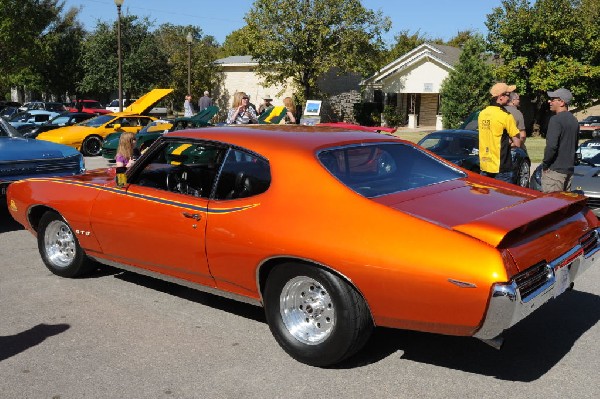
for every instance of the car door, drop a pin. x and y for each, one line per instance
(158, 220)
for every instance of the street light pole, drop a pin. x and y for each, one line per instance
(189, 42)
(119, 3)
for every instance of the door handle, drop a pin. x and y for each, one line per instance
(194, 216)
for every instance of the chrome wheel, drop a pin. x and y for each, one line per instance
(307, 310)
(92, 146)
(524, 171)
(59, 244)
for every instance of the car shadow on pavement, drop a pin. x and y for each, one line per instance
(12, 345)
(245, 310)
(7, 223)
(531, 348)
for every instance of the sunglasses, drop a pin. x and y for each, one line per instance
(245, 98)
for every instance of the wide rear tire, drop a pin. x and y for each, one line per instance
(314, 315)
(91, 146)
(59, 247)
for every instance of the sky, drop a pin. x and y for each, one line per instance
(432, 18)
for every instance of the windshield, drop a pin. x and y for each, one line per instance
(590, 152)
(6, 130)
(380, 169)
(59, 120)
(451, 144)
(97, 121)
(20, 117)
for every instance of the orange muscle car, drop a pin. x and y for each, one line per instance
(332, 231)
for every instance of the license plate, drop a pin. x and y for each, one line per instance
(563, 280)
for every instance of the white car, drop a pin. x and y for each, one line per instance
(158, 111)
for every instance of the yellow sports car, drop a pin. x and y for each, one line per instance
(87, 136)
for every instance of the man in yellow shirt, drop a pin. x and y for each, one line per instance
(497, 129)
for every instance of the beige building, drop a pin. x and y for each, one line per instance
(412, 83)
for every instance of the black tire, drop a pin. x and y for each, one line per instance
(315, 316)
(524, 172)
(60, 248)
(91, 146)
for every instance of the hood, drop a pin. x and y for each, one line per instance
(21, 149)
(586, 178)
(65, 131)
(147, 101)
(488, 213)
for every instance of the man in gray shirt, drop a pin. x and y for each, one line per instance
(204, 101)
(514, 100)
(561, 143)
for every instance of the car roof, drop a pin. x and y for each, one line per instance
(271, 139)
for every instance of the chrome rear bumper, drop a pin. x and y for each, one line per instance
(507, 307)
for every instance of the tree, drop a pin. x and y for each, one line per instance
(406, 41)
(549, 44)
(301, 40)
(466, 88)
(145, 64)
(40, 45)
(237, 43)
(205, 49)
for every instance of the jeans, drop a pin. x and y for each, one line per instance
(502, 176)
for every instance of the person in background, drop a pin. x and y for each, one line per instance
(204, 102)
(562, 137)
(497, 131)
(266, 104)
(125, 150)
(513, 107)
(291, 109)
(241, 112)
(187, 106)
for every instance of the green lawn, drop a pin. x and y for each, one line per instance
(535, 145)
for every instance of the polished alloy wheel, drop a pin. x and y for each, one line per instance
(307, 310)
(59, 244)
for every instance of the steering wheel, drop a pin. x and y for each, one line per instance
(177, 179)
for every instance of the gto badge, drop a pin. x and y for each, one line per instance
(82, 232)
(13, 206)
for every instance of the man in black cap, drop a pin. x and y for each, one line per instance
(561, 143)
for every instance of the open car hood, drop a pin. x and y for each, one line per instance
(145, 103)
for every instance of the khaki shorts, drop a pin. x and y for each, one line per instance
(556, 181)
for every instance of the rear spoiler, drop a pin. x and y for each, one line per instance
(524, 217)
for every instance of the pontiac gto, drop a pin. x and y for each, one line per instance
(332, 231)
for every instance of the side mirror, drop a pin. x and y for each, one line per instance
(578, 158)
(121, 176)
(117, 126)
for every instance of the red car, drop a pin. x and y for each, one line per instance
(89, 106)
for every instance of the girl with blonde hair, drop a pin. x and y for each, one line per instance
(291, 109)
(125, 150)
(241, 113)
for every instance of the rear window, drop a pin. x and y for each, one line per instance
(379, 169)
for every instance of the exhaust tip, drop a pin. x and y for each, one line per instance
(495, 343)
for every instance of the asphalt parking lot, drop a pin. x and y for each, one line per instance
(120, 335)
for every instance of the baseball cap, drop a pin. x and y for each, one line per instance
(500, 88)
(563, 94)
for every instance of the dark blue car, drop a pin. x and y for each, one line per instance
(21, 158)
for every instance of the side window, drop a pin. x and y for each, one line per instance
(243, 175)
(181, 167)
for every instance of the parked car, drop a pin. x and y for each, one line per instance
(27, 119)
(590, 126)
(87, 136)
(462, 148)
(586, 176)
(4, 104)
(148, 135)
(43, 105)
(21, 158)
(157, 111)
(88, 106)
(7, 112)
(333, 231)
(64, 119)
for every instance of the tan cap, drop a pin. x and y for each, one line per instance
(500, 88)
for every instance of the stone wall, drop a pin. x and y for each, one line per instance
(340, 107)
